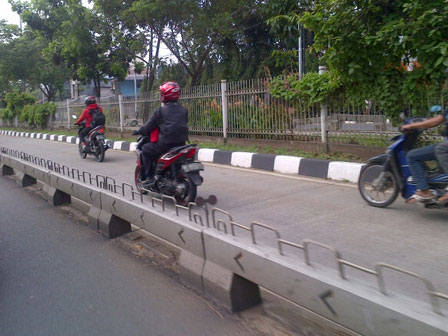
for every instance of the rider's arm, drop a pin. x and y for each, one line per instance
(82, 117)
(433, 122)
(151, 124)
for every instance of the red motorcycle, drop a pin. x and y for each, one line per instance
(177, 174)
(96, 143)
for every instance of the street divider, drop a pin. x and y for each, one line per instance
(226, 261)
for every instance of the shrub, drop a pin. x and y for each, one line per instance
(15, 102)
(37, 115)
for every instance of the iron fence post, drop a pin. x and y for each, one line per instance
(224, 108)
(323, 115)
(120, 105)
(68, 113)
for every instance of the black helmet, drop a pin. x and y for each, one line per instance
(89, 100)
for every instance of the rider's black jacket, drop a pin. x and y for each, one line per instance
(172, 120)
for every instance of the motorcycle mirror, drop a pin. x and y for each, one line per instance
(402, 116)
(74, 116)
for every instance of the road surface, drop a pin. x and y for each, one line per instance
(59, 277)
(332, 213)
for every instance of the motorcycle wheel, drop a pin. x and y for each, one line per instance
(138, 181)
(100, 152)
(81, 154)
(190, 194)
(377, 193)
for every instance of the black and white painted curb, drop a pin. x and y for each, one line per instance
(334, 170)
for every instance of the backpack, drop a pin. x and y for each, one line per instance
(98, 118)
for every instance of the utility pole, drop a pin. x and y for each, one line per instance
(301, 58)
(135, 94)
(323, 116)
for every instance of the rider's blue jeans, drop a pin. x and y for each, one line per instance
(416, 158)
(442, 155)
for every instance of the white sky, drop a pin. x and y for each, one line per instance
(7, 14)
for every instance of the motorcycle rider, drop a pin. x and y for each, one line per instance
(87, 118)
(442, 159)
(171, 120)
(416, 157)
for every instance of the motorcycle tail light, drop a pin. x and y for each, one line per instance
(191, 153)
(101, 130)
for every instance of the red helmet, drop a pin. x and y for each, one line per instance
(89, 100)
(169, 91)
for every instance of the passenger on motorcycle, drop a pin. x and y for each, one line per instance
(416, 157)
(87, 118)
(171, 120)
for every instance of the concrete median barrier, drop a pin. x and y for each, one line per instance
(76, 188)
(223, 259)
(25, 180)
(168, 226)
(6, 170)
(348, 303)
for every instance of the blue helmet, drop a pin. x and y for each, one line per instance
(435, 109)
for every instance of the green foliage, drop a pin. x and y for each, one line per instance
(312, 88)
(368, 46)
(37, 115)
(15, 102)
(79, 38)
(6, 114)
(284, 21)
(23, 106)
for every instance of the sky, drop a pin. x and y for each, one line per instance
(7, 14)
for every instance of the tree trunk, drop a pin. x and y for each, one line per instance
(97, 84)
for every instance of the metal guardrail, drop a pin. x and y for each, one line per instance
(219, 223)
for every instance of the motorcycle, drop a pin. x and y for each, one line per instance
(96, 143)
(385, 176)
(177, 174)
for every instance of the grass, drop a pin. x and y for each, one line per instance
(221, 146)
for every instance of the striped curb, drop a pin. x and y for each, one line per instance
(334, 170)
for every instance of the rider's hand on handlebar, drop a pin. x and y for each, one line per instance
(404, 128)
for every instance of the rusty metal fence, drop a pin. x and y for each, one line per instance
(246, 109)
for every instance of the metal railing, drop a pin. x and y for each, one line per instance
(247, 109)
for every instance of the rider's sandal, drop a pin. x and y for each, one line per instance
(442, 200)
(419, 198)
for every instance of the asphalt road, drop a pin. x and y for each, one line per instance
(59, 277)
(406, 236)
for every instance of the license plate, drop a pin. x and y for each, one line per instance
(192, 167)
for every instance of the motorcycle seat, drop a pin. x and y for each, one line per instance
(178, 149)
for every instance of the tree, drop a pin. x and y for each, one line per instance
(23, 62)
(80, 38)
(223, 37)
(285, 28)
(7, 34)
(135, 33)
(368, 44)
(244, 44)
